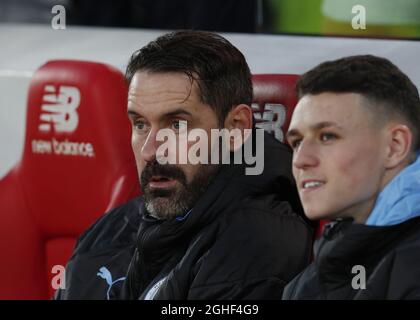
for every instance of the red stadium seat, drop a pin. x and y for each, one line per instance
(77, 163)
(274, 101)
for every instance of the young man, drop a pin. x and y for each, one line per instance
(355, 139)
(200, 230)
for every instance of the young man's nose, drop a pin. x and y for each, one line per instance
(305, 156)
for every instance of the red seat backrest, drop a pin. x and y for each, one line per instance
(77, 163)
(273, 104)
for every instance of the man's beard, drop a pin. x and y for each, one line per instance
(174, 201)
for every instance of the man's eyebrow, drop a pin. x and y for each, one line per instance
(315, 127)
(292, 133)
(132, 113)
(176, 112)
(179, 111)
(325, 124)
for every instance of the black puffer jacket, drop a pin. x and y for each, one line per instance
(242, 240)
(389, 255)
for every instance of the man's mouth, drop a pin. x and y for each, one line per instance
(161, 182)
(311, 185)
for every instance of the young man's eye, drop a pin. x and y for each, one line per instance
(327, 136)
(179, 125)
(295, 143)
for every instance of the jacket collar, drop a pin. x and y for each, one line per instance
(345, 244)
(399, 201)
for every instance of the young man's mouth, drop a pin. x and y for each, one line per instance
(311, 185)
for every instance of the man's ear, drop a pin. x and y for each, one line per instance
(237, 120)
(400, 139)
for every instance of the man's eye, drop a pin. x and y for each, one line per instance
(328, 136)
(140, 125)
(179, 125)
(295, 143)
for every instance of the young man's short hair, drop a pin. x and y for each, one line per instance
(390, 92)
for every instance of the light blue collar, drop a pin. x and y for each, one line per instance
(399, 201)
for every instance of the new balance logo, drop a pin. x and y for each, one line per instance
(59, 109)
(271, 119)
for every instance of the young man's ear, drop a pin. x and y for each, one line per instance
(237, 120)
(400, 139)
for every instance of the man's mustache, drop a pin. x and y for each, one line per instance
(167, 171)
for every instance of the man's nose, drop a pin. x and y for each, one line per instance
(149, 148)
(305, 156)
